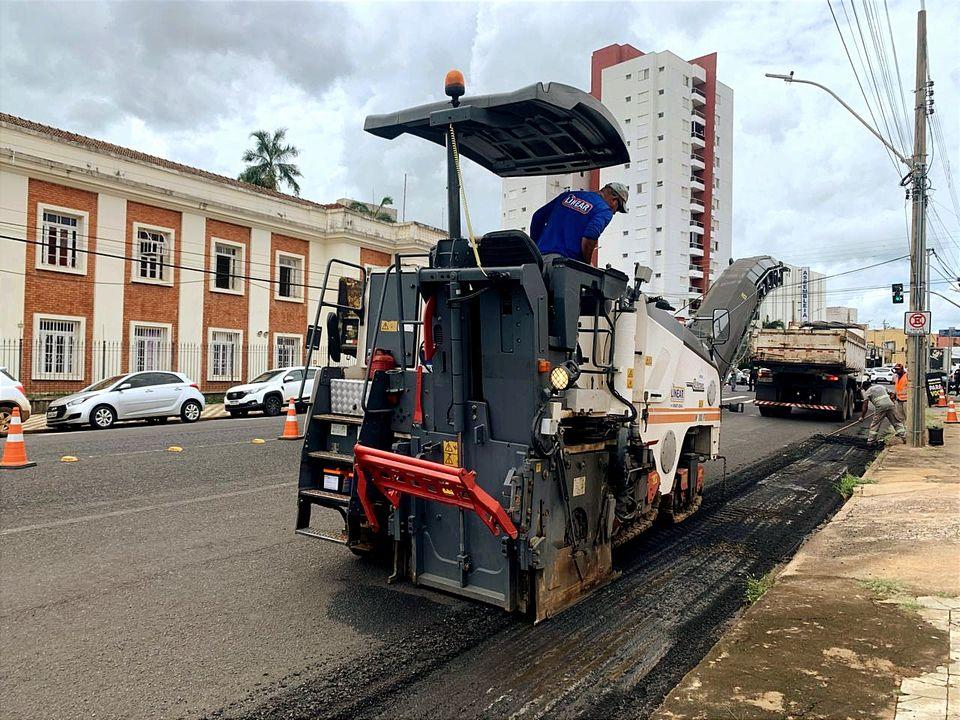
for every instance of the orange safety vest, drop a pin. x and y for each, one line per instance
(900, 385)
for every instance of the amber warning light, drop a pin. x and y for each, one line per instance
(453, 85)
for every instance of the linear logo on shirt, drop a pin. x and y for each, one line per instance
(579, 204)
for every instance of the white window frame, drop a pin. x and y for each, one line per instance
(83, 229)
(297, 287)
(276, 349)
(238, 275)
(79, 348)
(237, 359)
(166, 356)
(167, 254)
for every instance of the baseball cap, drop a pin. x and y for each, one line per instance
(620, 190)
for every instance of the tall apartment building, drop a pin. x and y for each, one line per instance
(677, 119)
(801, 298)
(114, 261)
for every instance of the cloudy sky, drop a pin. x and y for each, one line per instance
(189, 81)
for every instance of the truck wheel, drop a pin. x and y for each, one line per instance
(765, 411)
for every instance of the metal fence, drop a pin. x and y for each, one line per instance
(56, 365)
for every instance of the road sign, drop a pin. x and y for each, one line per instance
(916, 323)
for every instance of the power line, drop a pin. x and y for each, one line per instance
(856, 75)
(205, 271)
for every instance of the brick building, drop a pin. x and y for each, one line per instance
(113, 261)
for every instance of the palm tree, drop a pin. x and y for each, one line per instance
(271, 161)
(387, 200)
(378, 214)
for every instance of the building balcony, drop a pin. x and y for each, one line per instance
(698, 115)
(698, 139)
(697, 183)
(696, 206)
(696, 272)
(696, 227)
(698, 96)
(696, 246)
(697, 162)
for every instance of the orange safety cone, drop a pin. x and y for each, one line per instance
(15, 452)
(290, 429)
(942, 400)
(952, 414)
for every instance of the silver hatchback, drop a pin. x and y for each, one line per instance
(152, 395)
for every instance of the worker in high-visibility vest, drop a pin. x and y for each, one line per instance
(900, 383)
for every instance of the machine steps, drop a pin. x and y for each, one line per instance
(325, 497)
(333, 456)
(343, 419)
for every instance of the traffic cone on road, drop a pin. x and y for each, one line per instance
(290, 429)
(942, 400)
(952, 414)
(15, 452)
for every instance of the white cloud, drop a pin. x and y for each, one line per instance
(190, 81)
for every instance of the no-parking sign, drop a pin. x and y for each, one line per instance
(916, 323)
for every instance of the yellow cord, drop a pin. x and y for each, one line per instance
(463, 197)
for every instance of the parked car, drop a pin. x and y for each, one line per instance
(151, 395)
(882, 374)
(11, 396)
(269, 391)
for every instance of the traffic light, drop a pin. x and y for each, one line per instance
(897, 289)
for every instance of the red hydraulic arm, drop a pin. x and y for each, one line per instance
(394, 475)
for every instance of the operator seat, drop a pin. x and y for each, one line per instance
(508, 248)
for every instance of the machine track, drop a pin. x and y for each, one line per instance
(616, 653)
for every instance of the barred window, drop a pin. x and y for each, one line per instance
(61, 241)
(58, 349)
(224, 355)
(151, 348)
(287, 351)
(154, 255)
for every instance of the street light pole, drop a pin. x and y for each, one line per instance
(917, 344)
(917, 347)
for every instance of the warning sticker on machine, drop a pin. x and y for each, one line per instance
(579, 485)
(629, 377)
(451, 455)
(331, 482)
(389, 326)
(338, 429)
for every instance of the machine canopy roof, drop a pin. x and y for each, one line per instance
(537, 130)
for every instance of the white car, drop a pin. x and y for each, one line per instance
(152, 395)
(11, 396)
(269, 391)
(882, 375)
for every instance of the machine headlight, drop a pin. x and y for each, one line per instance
(559, 378)
(78, 400)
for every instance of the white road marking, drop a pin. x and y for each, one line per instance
(146, 508)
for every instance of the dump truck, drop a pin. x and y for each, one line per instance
(810, 366)
(493, 423)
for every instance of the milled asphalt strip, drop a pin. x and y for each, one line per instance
(146, 508)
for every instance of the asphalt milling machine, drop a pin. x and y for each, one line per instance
(494, 422)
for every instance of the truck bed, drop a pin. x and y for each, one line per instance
(840, 349)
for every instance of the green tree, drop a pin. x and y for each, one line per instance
(773, 324)
(270, 158)
(377, 214)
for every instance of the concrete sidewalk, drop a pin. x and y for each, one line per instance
(864, 622)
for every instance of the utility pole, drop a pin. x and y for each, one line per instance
(918, 344)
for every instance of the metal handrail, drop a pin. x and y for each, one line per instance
(323, 303)
(694, 178)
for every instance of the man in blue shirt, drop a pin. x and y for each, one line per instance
(571, 223)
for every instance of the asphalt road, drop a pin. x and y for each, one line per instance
(140, 582)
